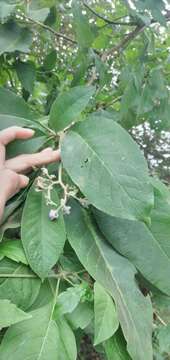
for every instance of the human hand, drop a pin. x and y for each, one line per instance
(12, 178)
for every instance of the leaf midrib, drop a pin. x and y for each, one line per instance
(110, 271)
(48, 325)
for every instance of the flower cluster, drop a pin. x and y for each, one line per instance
(46, 183)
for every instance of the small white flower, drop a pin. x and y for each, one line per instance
(85, 203)
(40, 183)
(44, 171)
(53, 214)
(66, 210)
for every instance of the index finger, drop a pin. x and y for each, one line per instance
(15, 132)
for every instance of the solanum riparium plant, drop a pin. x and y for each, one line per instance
(85, 247)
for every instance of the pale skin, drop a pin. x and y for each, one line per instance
(12, 171)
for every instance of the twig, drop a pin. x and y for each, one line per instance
(108, 21)
(48, 28)
(125, 42)
(10, 78)
(115, 100)
(51, 132)
(160, 319)
(132, 35)
(93, 76)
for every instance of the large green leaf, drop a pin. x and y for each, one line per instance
(43, 240)
(68, 106)
(110, 169)
(135, 240)
(67, 344)
(84, 34)
(40, 4)
(6, 10)
(45, 295)
(115, 348)
(68, 300)
(12, 104)
(105, 315)
(160, 224)
(11, 219)
(20, 147)
(26, 72)
(50, 60)
(117, 275)
(82, 316)
(17, 284)
(14, 38)
(11, 120)
(155, 7)
(10, 314)
(13, 250)
(39, 14)
(163, 336)
(39, 338)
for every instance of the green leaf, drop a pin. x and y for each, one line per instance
(106, 320)
(161, 305)
(11, 120)
(45, 295)
(102, 69)
(26, 72)
(115, 348)
(20, 147)
(68, 300)
(39, 14)
(12, 104)
(160, 189)
(81, 317)
(10, 314)
(19, 285)
(14, 38)
(68, 106)
(50, 60)
(110, 170)
(117, 275)
(163, 337)
(136, 242)
(5, 10)
(84, 34)
(10, 221)
(40, 4)
(155, 7)
(13, 250)
(47, 338)
(160, 222)
(43, 240)
(67, 344)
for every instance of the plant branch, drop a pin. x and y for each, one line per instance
(125, 42)
(160, 319)
(48, 28)
(128, 38)
(108, 21)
